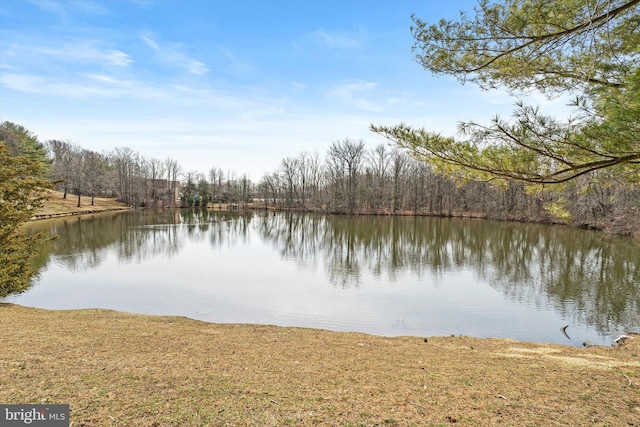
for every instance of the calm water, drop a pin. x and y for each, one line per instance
(381, 275)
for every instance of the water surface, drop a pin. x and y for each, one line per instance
(380, 275)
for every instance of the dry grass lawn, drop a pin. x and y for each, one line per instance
(56, 206)
(133, 370)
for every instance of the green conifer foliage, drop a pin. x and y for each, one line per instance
(21, 193)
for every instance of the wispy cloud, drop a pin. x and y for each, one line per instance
(150, 42)
(65, 8)
(109, 80)
(85, 86)
(89, 51)
(351, 94)
(200, 101)
(89, 7)
(142, 3)
(50, 6)
(235, 64)
(38, 52)
(28, 83)
(298, 86)
(399, 97)
(503, 103)
(172, 54)
(339, 39)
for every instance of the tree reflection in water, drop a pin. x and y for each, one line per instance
(586, 275)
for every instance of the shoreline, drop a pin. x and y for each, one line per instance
(117, 368)
(40, 217)
(56, 207)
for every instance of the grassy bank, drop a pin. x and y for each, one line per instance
(133, 370)
(55, 206)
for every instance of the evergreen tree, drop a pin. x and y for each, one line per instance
(589, 48)
(22, 142)
(21, 193)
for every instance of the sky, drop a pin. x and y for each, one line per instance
(232, 84)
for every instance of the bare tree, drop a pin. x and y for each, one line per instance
(213, 180)
(379, 166)
(399, 163)
(122, 159)
(60, 154)
(346, 157)
(94, 173)
(77, 169)
(314, 172)
(156, 172)
(172, 170)
(246, 193)
(220, 182)
(289, 176)
(269, 187)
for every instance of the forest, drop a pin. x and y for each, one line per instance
(348, 179)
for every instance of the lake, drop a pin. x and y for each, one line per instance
(391, 276)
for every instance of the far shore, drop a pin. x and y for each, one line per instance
(55, 206)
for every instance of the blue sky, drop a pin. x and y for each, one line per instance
(238, 85)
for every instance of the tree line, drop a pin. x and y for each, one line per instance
(349, 178)
(388, 180)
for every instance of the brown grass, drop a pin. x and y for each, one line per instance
(132, 370)
(56, 206)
